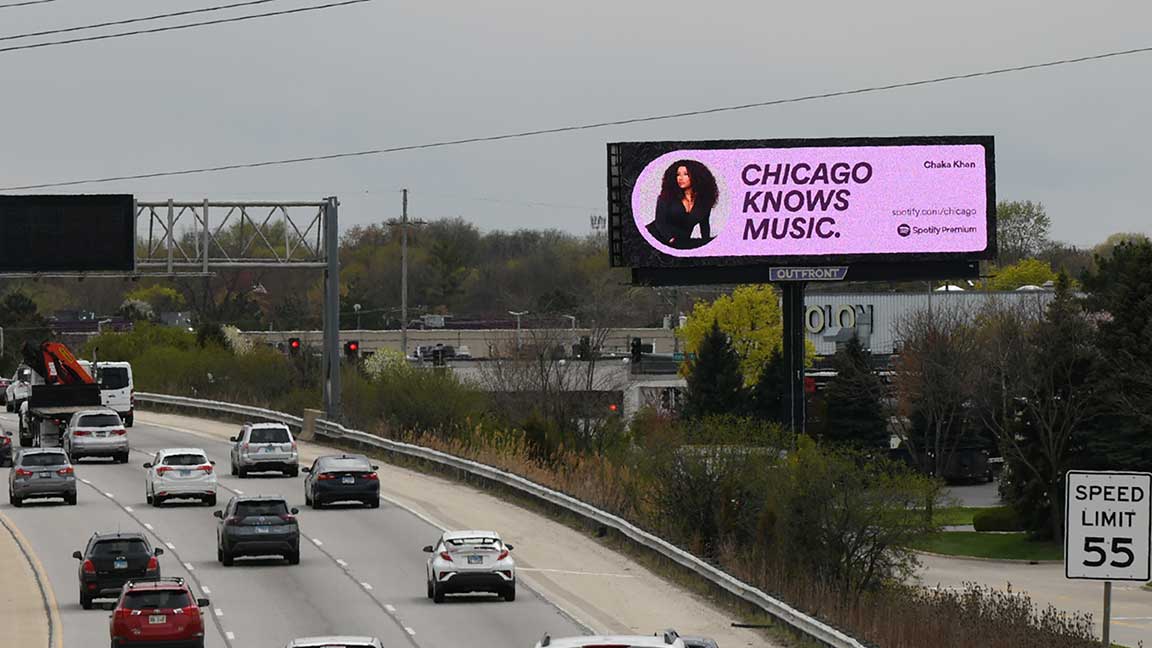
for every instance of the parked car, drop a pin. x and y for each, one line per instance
(666, 639)
(5, 448)
(261, 447)
(470, 561)
(341, 478)
(39, 473)
(257, 526)
(159, 611)
(180, 473)
(117, 389)
(96, 433)
(335, 642)
(110, 560)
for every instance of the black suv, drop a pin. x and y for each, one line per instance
(257, 526)
(112, 559)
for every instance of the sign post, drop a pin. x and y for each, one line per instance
(1107, 529)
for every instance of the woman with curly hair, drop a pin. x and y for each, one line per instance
(687, 195)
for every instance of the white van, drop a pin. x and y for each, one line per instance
(117, 391)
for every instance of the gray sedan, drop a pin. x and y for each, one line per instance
(41, 472)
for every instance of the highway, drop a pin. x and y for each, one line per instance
(361, 570)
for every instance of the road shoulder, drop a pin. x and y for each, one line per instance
(28, 610)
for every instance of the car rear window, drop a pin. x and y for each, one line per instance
(113, 377)
(345, 464)
(269, 435)
(100, 420)
(474, 542)
(120, 547)
(185, 460)
(245, 509)
(44, 459)
(157, 599)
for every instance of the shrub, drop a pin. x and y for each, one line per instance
(1001, 518)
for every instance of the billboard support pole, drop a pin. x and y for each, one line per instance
(332, 310)
(793, 342)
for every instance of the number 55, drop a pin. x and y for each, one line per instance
(1118, 547)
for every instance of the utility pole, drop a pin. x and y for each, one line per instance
(404, 224)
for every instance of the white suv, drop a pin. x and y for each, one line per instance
(666, 639)
(180, 473)
(96, 433)
(470, 561)
(261, 447)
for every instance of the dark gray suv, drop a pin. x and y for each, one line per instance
(257, 526)
(41, 472)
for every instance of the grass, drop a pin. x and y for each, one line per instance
(1004, 546)
(952, 515)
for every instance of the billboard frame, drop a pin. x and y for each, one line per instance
(622, 175)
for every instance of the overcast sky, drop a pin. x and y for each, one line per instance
(390, 72)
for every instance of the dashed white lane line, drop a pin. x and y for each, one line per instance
(410, 631)
(218, 612)
(189, 566)
(316, 541)
(366, 586)
(204, 588)
(170, 545)
(391, 609)
(85, 481)
(231, 636)
(341, 563)
(573, 573)
(128, 508)
(237, 491)
(148, 526)
(109, 495)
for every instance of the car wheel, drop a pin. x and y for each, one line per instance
(510, 593)
(429, 584)
(70, 499)
(241, 472)
(437, 593)
(307, 498)
(148, 498)
(232, 468)
(157, 501)
(16, 500)
(210, 500)
(124, 458)
(317, 503)
(293, 558)
(373, 503)
(292, 472)
(85, 601)
(129, 420)
(225, 558)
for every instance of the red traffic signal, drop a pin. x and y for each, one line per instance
(352, 348)
(293, 344)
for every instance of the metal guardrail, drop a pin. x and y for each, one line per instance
(778, 609)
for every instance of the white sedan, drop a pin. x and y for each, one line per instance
(180, 473)
(470, 561)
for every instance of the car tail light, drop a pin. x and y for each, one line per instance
(325, 476)
(293, 445)
(66, 470)
(503, 555)
(163, 469)
(5, 441)
(20, 472)
(446, 556)
(153, 563)
(371, 476)
(288, 518)
(89, 567)
(231, 521)
(207, 468)
(244, 447)
(120, 432)
(80, 433)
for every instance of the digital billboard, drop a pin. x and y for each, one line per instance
(67, 233)
(801, 202)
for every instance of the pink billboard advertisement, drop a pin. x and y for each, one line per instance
(901, 197)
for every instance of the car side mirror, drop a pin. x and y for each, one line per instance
(77, 555)
(108, 605)
(375, 467)
(306, 469)
(219, 514)
(509, 547)
(202, 602)
(158, 551)
(427, 549)
(211, 462)
(295, 511)
(148, 465)
(234, 439)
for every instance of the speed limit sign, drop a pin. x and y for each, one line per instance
(1108, 522)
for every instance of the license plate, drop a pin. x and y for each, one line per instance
(348, 480)
(267, 449)
(101, 434)
(120, 563)
(185, 473)
(263, 529)
(45, 475)
(156, 619)
(475, 560)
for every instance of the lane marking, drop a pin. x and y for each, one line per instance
(128, 508)
(189, 566)
(230, 636)
(573, 573)
(410, 631)
(169, 545)
(237, 491)
(109, 495)
(391, 609)
(341, 563)
(1131, 618)
(148, 526)
(316, 541)
(366, 586)
(85, 481)
(218, 612)
(47, 594)
(204, 588)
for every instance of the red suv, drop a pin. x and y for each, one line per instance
(157, 612)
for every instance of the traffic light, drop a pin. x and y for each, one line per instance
(293, 345)
(637, 349)
(352, 349)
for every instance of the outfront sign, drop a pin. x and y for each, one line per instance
(1108, 522)
(801, 202)
(827, 273)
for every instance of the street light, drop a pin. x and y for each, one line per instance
(356, 307)
(573, 318)
(518, 315)
(100, 326)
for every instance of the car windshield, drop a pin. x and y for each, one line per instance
(120, 547)
(346, 464)
(268, 435)
(261, 507)
(99, 420)
(185, 460)
(44, 459)
(156, 599)
(113, 377)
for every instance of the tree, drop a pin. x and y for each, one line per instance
(22, 322)
(750, 317)
(1021, 230)
(162, 299)
(769, 394)
(1118, 301)
(1105, 249)
(854, 396)
(1025, 272)
(715, 383)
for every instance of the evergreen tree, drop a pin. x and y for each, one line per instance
(855, 411)
(715, 384)
(769, 394)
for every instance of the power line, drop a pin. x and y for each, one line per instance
(129, 21)
(157, 30)
(588, 126)
(24, 4)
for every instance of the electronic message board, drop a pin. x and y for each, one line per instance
(67, 233)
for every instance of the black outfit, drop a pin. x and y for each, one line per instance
(674, 224)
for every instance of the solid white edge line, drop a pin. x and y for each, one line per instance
(572, 573)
